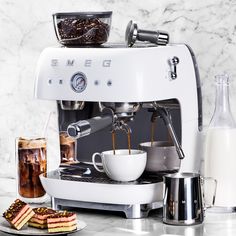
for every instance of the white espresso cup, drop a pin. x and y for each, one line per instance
(122, 166)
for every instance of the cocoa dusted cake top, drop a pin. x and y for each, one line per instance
(14, 209)
(62, 214)
(43, 211)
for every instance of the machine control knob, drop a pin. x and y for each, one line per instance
(175, 60)
(78, 82)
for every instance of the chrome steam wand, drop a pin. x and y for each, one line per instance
(164, 114)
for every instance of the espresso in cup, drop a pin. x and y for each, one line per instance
(121, 166)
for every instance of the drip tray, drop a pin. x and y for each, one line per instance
(81, 182)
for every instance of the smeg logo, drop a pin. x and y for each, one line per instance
(72, 62)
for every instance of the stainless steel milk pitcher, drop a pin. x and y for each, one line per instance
(183, 202)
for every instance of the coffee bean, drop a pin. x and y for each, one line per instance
(83, 31)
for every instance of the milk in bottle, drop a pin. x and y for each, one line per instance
(220, 147)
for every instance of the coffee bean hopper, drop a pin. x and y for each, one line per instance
(100, 87)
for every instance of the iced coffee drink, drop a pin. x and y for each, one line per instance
(32, 161)
(67, 147)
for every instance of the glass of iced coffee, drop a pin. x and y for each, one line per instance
(31, 157)
(67, 148)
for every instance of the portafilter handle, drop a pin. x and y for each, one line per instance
(86, 127)
(166, 117)
(133, 33)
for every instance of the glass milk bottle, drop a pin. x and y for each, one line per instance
(220, 149)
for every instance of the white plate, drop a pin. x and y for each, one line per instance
(26, 230)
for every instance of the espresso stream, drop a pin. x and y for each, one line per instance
(129, 141)
(169, 138)
(153, 125)
(113, 133)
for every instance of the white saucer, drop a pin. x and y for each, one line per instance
(26, 230)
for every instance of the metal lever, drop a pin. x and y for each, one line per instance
(133, 33)
(173, 67)
(166, 117)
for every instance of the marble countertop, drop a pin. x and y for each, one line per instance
(102, 223)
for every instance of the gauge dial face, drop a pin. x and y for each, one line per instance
(79, 82)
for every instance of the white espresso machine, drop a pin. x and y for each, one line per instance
(99, 87)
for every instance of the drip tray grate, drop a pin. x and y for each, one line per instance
(87, 173)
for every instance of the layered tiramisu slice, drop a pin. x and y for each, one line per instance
(62, 222)
(39, 220)
(18, 214)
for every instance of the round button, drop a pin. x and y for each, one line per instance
(109, 83)
(96, 82)
(79, 82)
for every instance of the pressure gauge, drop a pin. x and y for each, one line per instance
(79, 82)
